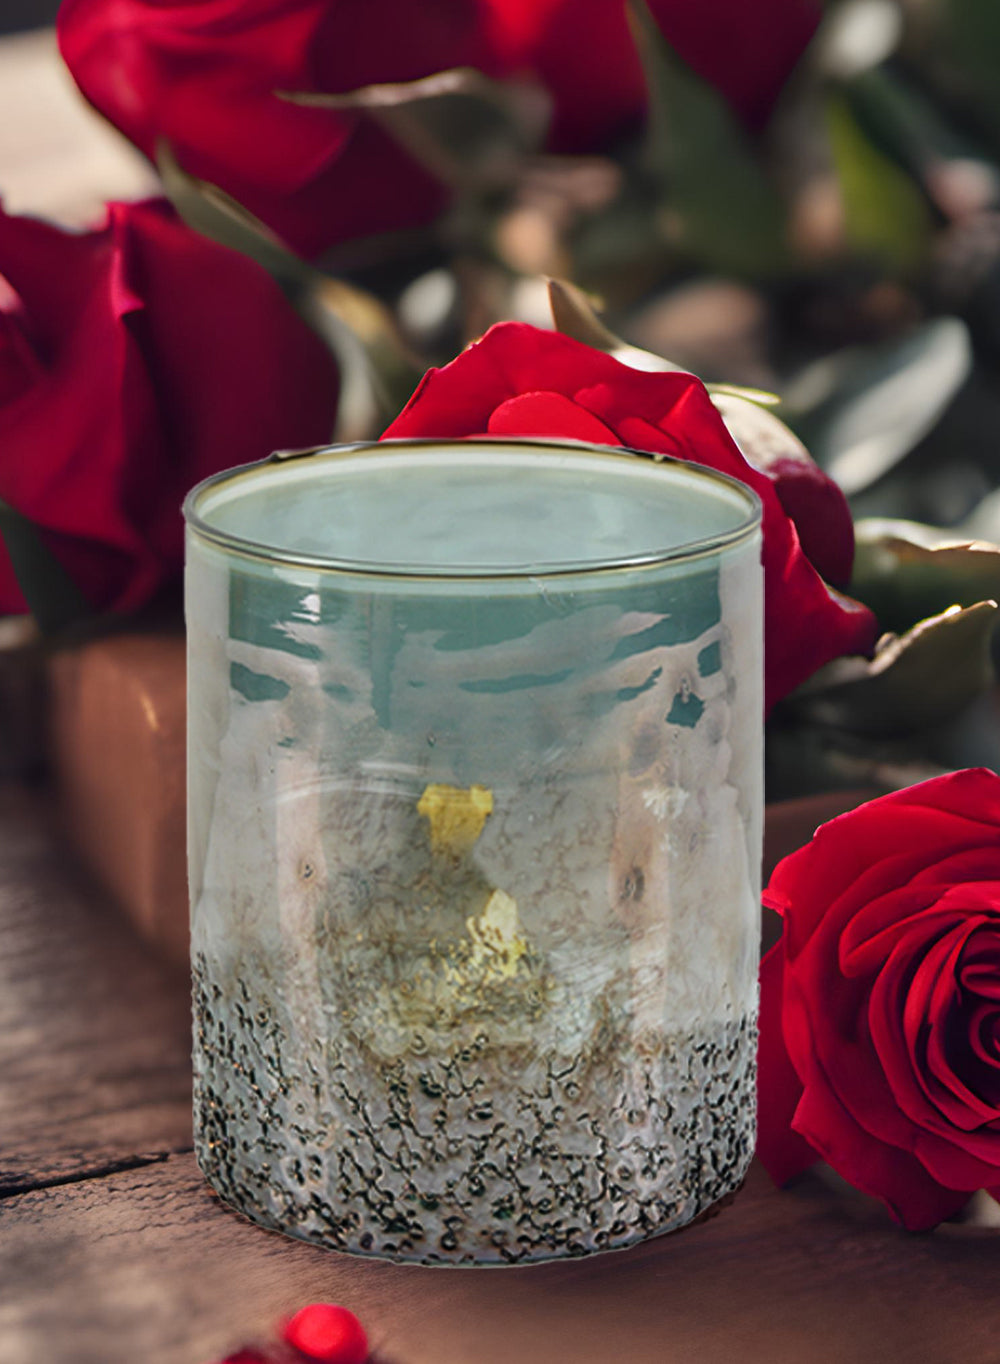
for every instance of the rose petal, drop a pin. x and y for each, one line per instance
(585, 56)
(904, 1001)
(948, 1046)
(151, 382)
(850, 853)
(782, 1150)
(968, 866)
(548, 414)
(897, 1178)
(209, 78)
(872, 934)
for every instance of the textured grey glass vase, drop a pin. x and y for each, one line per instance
(474, 835)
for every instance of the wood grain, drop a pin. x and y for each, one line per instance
(94, 1031)
(148, 1265)
(113, 1249)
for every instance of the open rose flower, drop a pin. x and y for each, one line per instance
(880, 1005)
(209, 78)
(522, 381)
(134, 361)
(584, 53)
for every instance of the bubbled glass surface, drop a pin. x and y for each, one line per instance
(474, 840)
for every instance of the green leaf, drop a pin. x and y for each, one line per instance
(52, 596)
(469, 131)
(904, 124)
(966, 47)
(864, 409)
(885, 214)
(717, 206)
(906, 571)
(915, 680)
(377, 372)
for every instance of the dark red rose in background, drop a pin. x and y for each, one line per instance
(207, 77)
(880, 1005)
(584, 54)
(135, 361)
(522, 381)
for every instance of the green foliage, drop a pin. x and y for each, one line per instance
(921, 678)
(885, 214)
(967, 36)
(52, 596)
(906, 572)
(470, 132)
(862, 410)
(714, 203)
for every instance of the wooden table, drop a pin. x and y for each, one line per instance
(112, 1248)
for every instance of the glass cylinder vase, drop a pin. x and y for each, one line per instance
(475, 735)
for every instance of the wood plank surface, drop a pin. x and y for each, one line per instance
(148, 1265)
(94, 1031)
(113, 1249)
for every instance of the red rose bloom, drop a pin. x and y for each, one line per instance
(135, 361)
(522, 381)
(584, 53)
(880, 1005)
(207, 75)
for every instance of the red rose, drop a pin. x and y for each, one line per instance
(584, 53)
(134, 361)
(880, 1005)
(521, 381)
(208, 78)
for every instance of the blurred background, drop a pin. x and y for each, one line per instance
(21, 14)
(799, 201)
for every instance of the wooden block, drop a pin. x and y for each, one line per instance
(95, 1032)
(117, 732)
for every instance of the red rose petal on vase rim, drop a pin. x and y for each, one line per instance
(525, 381)
(548, 414)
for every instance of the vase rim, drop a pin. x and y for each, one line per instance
(744, 501)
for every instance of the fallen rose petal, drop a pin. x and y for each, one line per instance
(327, 1333)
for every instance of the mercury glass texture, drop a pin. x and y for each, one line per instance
(475, 800)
